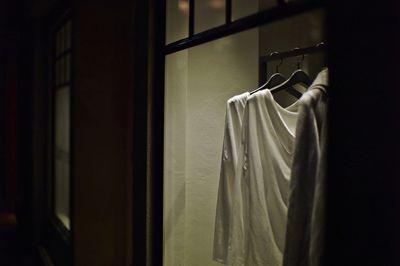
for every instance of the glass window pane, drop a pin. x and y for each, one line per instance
(242, 8)
(62, 154)
(209, 14)
(175, 158)
(62, 147)
(177, 20)
(61, 129)
(62, 192)
(267, 4)
(198, 82)
(62, 120)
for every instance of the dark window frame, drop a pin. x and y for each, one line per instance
(57, 239)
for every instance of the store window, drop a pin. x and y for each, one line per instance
(198, 82)
(61, 122)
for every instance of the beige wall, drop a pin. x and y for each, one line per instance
(102, 133)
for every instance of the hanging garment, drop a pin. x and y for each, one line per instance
(226, 191)
(268, 136)
(306, 213)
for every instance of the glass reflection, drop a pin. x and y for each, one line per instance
(184, 6)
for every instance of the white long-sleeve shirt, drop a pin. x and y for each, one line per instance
(268, 137)
(254, 229)
(227, 190)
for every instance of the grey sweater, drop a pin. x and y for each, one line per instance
(306, 210)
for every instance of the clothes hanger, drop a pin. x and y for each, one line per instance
(297, 77)
(276, 79)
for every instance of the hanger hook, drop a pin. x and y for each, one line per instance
(301, 61)
(277, 66)
(321, 44)
(302, 58)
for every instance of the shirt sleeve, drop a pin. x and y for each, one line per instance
(224, 200)
(239, 216)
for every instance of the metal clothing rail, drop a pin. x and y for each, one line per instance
(292, 53)
(264, 60)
